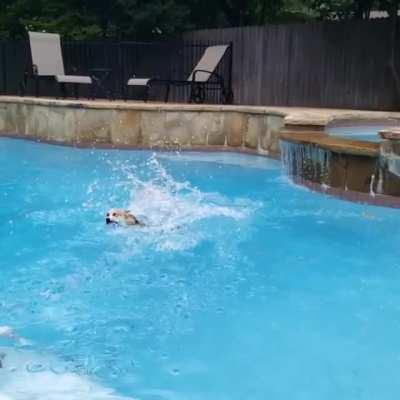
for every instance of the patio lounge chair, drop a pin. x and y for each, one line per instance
(204, 73)
(47, 62)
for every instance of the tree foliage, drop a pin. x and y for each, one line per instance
(352, 9)
(149, 19)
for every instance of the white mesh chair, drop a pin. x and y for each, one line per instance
(202, 74)
(47, 61)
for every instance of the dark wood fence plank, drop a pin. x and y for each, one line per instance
(324, 64)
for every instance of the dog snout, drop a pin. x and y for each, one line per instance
(108, 220)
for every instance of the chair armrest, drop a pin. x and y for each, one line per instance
(211, 73)
(134, 76)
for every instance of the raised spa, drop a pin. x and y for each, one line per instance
(241, 285)
(357, 161)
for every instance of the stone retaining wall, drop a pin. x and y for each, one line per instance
(142, 125)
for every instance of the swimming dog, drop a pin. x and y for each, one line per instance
(121, 217)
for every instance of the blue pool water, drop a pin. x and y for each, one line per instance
(367, 133)
(240, 286)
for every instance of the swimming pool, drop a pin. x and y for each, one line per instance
(241, 285)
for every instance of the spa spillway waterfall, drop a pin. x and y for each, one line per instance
(309, 162)
(358, 170)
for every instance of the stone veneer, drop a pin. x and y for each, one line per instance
(138, 125)
(390, 159)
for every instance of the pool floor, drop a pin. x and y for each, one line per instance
(240, 286)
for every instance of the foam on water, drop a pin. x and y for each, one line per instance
(27, 375)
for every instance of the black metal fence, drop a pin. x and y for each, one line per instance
(325, 64)
(164, 60)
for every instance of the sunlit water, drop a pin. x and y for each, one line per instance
(240, 286)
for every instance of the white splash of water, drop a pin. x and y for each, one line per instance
(26, 375)
(169, 209)
(371, 186)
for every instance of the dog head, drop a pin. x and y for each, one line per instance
(121, 217)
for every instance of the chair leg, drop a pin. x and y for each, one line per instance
(227, 96)
(191, 94)
(22, 89)
(91, 91)
(125, 92)
(197, 93)
(147, 93)
(201, 95)
(166, 98)
(24, 84)
(26, 78)
(36, 86)
(63, 90)
(76, 91)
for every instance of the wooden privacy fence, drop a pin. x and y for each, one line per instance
(164, 60)
(327, 64)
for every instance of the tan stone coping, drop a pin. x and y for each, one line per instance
(390, 133)
(300, 117)
(321, 117)
(140, 105)
(335, 144)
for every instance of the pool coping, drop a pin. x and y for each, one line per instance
(140, 105)
(300, 117)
